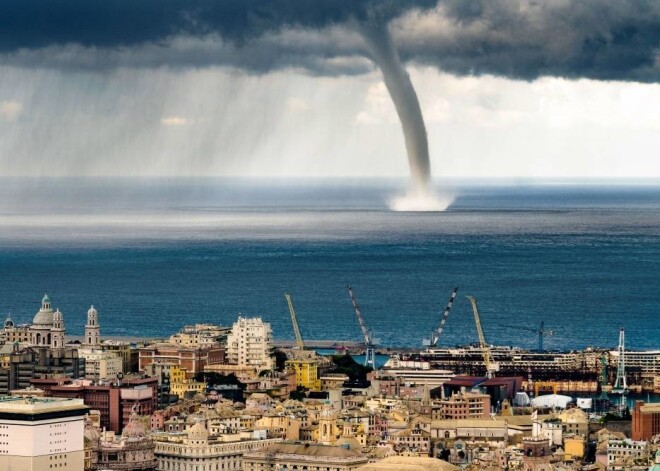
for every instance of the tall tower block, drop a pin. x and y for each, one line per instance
(92, 328)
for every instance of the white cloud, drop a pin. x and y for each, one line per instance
(378, 107)
(10, 110)
(296, 104)
(175, 121)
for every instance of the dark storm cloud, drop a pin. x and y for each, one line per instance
(247, 34)
(119, 23)
(599, 39)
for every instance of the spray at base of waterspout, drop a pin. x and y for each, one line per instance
(421, 199)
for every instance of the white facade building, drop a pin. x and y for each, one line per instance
(621, 454)
(249, 344)
(100, 364)
(193, 451)
(41, 433)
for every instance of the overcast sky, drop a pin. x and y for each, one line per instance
(507, 88)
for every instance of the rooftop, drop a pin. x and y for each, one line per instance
(308, 449)
(409, 463)
(32, 405)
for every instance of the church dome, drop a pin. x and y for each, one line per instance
(350, 443)
(91, 311)
(198, 432)
(44, 317)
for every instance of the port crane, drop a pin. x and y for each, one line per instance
(620, 384)
(369, 342)
(491, 366)
(435, 335)
(300, 344)
(541, 332)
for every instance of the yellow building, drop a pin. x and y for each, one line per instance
(307, 373)
(279, 427)
(181, 385)
(574, 446)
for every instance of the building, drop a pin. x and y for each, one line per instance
(249, 344)
(397, 374)
(331, 381)
(100, 364)
(645, 420)
(46, 329)
(12, 333)
(464, 405)
(182, 386)
(409, 463)
(575, 446)
(279, 426)
(195, 450)
(646, 362)
(200, 335)
(47, 326)
(27, 364)
(122, 350)
(412, 440)
(486, 430)
(574, 421)
(41, 433)
(622, 454)
(162, 372)
(310, 457)
(92, 328)
(132, 450)
(115, 400)
(306, 372)
(537, 453)
(193, 359)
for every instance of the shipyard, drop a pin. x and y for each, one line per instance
(244, 399)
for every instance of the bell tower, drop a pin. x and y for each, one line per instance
(58, 331)
(92, 328)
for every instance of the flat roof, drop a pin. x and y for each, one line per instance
(40, 408)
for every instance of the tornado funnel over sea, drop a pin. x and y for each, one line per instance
(230, 71)
(401, 90)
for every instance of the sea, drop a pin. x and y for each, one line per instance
(153, 255)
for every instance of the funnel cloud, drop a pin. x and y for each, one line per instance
(405, 99)
(118, 40)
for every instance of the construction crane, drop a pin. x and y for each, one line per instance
(296, 330)
(620, 384)
(491, 366)
(435, 335)
(541, 332)
(369, 342)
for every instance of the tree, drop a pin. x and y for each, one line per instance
(280, 359)
(347, 365)
(213, 378)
